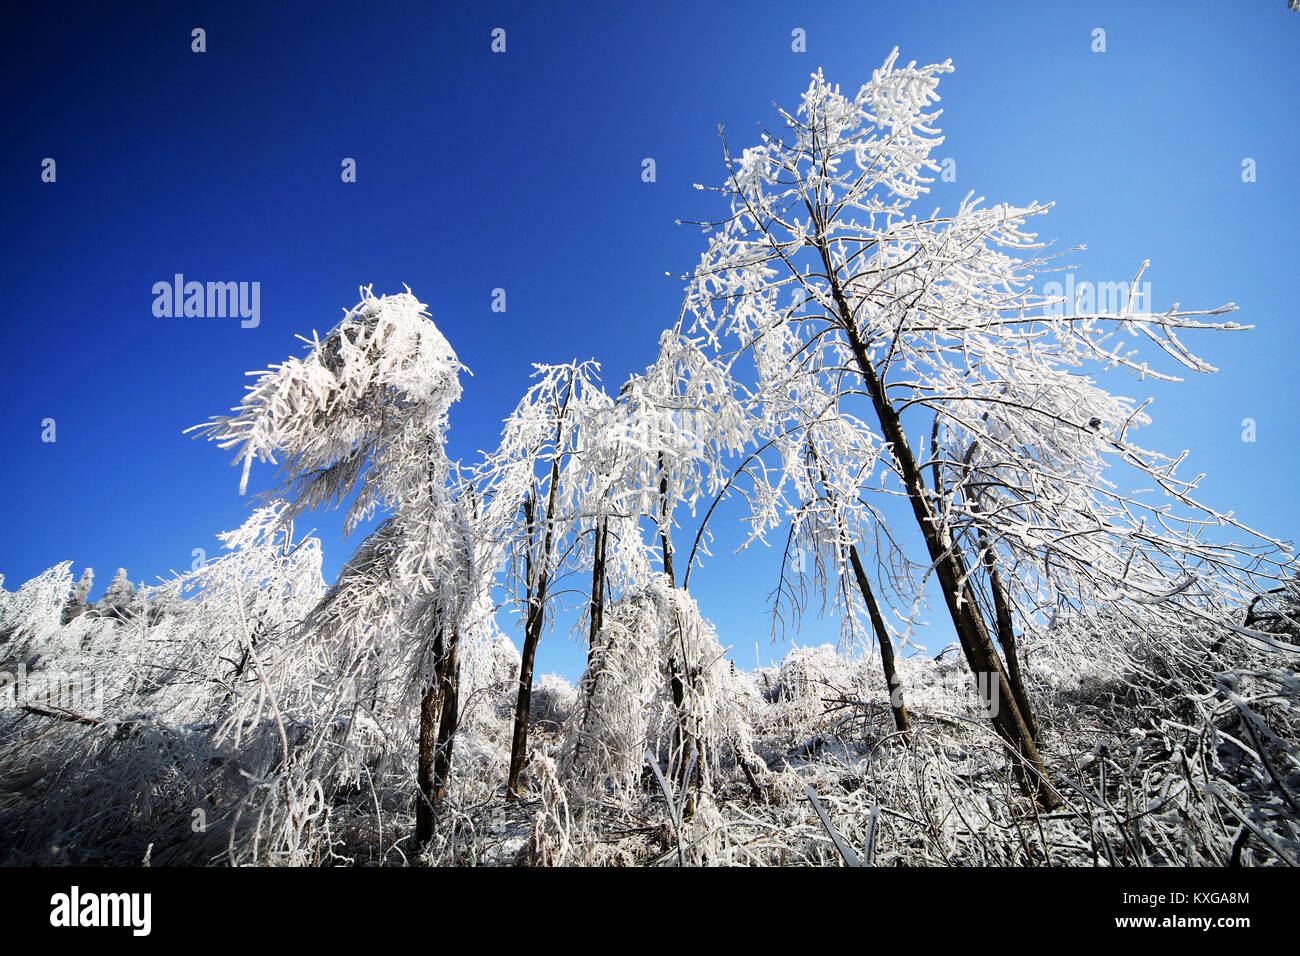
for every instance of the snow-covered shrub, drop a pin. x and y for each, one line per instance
(810, 674)
(146, 736)
(31, 616)
(658, 682)
(553, 700)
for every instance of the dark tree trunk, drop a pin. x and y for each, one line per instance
(449, 678)
(665, 524)
(523, 703)
(1001, 604)
(1007, 635)
(597, 620)
(882, 638)
(424, 805)
(439, 716)
(981, 655)
(532, 630)
(887, 663)
(539, 532)
(597, 606)
(684, 742)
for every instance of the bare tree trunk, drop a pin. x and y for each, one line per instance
(981, 655)
(597, 606)
(1001, 604)
(596, 613)
(424, 800)
(532, 630)
(873, 611)
(1007, 634)
(539, 553)
(439, 716)
(882, 638)
(665, 524)
(449, 678)
(684, 742)
(523, 703)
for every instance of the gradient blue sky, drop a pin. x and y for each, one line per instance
(523, 171)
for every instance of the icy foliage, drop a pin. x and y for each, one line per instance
(373, 391)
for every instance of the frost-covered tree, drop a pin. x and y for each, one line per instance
(656, 452)
(363, 416)
(117, 599)
(76, 605)
(839, 291)
(532, 485)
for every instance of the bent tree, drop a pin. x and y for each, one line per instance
(851, 305)
(363, 416)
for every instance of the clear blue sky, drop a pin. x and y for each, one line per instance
(522, 171)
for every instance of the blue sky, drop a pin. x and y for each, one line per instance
(522, 171)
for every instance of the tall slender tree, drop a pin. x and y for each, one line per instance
(534, 481)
